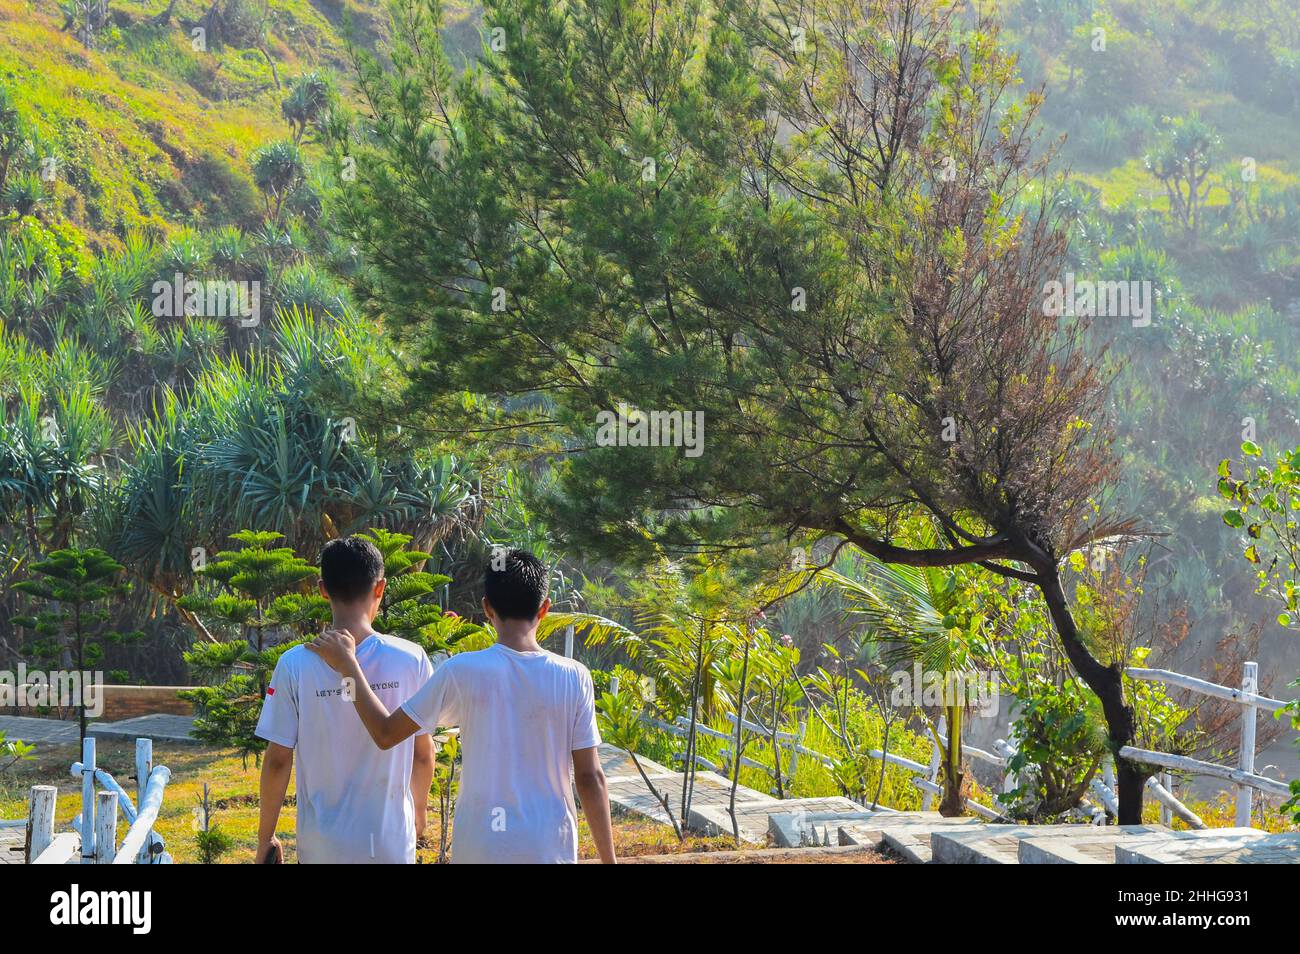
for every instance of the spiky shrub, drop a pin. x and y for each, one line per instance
(278, 171)
(260, 590)
(76, 587)
(307, 101)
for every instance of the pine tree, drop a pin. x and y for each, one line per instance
(76, 584)
(409, 608)
(263, 589)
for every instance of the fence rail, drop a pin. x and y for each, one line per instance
(1244, 775)
(1103, 789)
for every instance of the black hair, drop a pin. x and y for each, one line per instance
(349, 568)
(514, 583)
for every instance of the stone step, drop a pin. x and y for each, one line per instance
(993, 844)
(1222, 846)
(905, 833)
(1092, 845)
(1085, 844)
(802, 821)
(754, 818)
(712, 793)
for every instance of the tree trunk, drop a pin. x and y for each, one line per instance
(740, 749)
(952, 805)
(1107, 682)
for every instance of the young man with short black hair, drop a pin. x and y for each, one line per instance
(356, 804)
(526, 717)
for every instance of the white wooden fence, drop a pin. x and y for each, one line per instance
(94, 838)
(1247, 696)
(1102, 789)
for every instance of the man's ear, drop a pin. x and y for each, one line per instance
(544, 608)
(489, 612)
(320, 585)
(379, 588)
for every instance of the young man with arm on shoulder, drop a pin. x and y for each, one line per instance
(356, 803)
(526, 717)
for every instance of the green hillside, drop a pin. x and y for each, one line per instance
(153, 126)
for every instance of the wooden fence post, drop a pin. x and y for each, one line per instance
(568, 641)
(105, 827)
(143, 766)
(613, 686)
(1246, 755)
(1167, 813)
(40, 820)
(88, 800)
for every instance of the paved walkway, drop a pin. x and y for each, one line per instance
(710, 803)
(48, 731)
(160, 728)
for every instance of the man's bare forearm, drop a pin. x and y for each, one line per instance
(421, 780)
(271, 791)
(594, 795)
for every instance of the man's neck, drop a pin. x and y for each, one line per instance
(521, 638)
(358, 624)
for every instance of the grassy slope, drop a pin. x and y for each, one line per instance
(152, 135)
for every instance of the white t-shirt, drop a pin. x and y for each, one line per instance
(521, 717)
(354, 799)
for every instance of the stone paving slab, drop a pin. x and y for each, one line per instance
(618, 764)
(1215, 846)
(1086, 844)
(11, 845)
(159, 727)
(799, 821)
(1092, 845)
